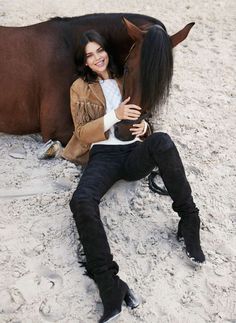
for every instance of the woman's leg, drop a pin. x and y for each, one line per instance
(159, 150)
(100, 174)
(98, 177)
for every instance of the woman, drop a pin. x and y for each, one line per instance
(96, 107)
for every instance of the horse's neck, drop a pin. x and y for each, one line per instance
(109, 25)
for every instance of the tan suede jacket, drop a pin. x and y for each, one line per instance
(88, 107)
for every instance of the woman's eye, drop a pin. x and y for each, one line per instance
(100, 50)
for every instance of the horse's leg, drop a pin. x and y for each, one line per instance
(55, 117)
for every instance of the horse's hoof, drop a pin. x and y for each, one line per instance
(51, 149)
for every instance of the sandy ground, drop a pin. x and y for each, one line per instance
(40, 278)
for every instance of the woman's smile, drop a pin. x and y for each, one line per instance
(100, 63)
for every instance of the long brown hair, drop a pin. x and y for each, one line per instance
(84, 71)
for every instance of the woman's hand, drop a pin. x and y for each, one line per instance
(127, 111)
(139, 129)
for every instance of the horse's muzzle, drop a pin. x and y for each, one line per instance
(122, 130)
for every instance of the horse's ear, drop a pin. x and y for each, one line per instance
(181, 35)
(133, 31)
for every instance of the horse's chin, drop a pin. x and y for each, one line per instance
(122, 131)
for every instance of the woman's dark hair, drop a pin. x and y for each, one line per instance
(84, 71)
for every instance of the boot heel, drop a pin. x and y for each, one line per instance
(131, 299)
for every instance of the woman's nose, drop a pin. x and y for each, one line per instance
(96, 56)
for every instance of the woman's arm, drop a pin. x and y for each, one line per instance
(89, 128)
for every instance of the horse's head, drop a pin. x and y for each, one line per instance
(148, 69)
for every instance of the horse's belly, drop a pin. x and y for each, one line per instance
(15, 120)
(18, 100)
(18, 112)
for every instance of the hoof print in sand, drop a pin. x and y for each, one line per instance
(18, 152)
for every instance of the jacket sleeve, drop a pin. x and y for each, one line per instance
(148, 132)
(89, 128)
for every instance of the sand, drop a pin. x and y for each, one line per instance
(40, 278)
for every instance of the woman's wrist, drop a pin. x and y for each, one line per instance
(110, 119)
(116, 111)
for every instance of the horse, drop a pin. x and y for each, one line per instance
(148, 70)
(38, 66)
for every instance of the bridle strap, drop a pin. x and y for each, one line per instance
(131, 48)
(123, 84)
(126, 70)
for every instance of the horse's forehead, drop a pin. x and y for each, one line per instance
(140, 41)
(147, 29)
(136, 47)
(160, 27)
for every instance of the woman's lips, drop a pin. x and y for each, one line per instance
(100, 63)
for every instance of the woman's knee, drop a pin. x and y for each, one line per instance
(82, 200)
(161, 141)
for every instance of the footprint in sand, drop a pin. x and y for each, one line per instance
(51, 311)
(17, 152)
(11, 300)
(54, 280)
(40, 281)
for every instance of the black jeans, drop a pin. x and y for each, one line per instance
(110, 163)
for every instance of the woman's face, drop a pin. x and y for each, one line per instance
(97, 59)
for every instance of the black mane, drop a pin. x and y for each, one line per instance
(156, 67)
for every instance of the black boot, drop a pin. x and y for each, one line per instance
(99, 260)
(113, 291)
(172, 172)
(189, 230)
(93, 238)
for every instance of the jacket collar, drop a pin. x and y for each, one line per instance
(97, 90)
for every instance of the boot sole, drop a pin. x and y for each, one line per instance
(113, 318)
(191, 260)
(131, 299)
(194, 262)
(180, 238)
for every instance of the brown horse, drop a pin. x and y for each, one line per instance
(38, 66)
(148, 70)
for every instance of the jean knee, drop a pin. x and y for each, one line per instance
(161, 141)
(78, 200)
